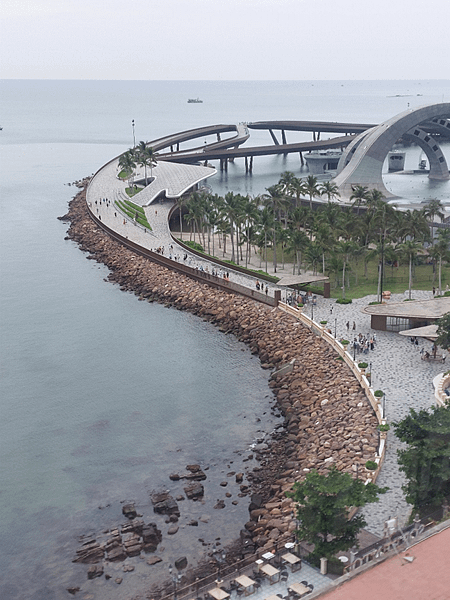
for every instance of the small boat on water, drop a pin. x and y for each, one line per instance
(195, 101)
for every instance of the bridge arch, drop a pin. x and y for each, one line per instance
(363, 159)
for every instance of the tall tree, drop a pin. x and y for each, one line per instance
(426, 460)
(277, 201)
(409, 249)
(360, 195)
(330, 190)
(323, 506)
(433, 209)
(312, 189)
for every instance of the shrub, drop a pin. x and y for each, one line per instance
(378, 394)
(194, 245)
(375, 302)
(323, 322)
(362, 365)
(371, 465)
(344, 301)
(345, 342)
(383, 427)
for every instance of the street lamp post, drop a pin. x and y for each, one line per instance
(384, 406)
(175, 579)
(134, 136)
(335, 328)
(370, 371)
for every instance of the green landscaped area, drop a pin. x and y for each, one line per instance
(133, 211)
(364, 247)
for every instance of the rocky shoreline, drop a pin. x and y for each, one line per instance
(327, 419)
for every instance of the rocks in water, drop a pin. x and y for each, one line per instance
(132, 544)
(95, 571)
(194, 491)
(153, 560)
(220, 504)
(164, 504)
(181, 563)
(90, 552)
(73, 590)
(151, 537)
(326, 416)
(129, 511)
(172, 530)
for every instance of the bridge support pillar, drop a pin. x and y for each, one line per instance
(283, 136)
(302, 162)
(275, 141)
(251, 164)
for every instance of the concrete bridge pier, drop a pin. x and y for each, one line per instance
(302, 162)
(248, 164)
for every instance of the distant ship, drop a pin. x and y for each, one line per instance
(195, 101)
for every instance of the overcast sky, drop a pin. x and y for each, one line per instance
(225, 39)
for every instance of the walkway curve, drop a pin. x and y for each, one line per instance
(363, 162)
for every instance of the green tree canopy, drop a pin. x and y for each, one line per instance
(443, 332)
(323, 504)
(426, 460)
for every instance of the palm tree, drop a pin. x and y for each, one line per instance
(345, 248)
(127, 162)
(360, 195)
(286, 182)
(409, 249)
(442, 251)
(265, 224)
(277, 201)
(297, 190)
(433, 209)
(231, 211)
(311, 188)
(297, 243)
(330, 190)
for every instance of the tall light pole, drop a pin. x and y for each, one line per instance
(335, 327)
(384, 406)
(175, 579)
(370, 371)
(134, 136)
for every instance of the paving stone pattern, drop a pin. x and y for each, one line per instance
(398, 370)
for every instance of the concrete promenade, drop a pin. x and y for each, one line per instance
(396, 365)
(407, 381)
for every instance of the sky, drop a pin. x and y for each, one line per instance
(225, 39)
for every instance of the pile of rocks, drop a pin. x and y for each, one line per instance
(327, 418)
(129, 539)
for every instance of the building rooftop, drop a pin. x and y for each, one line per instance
(416, 309)
(419, 573)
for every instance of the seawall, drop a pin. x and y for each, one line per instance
(328, 419)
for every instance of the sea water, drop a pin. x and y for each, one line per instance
(103, 396)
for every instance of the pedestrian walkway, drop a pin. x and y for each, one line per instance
(106, 188)
(395, 363)
(407, 381)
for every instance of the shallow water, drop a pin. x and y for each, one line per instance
(103, 396)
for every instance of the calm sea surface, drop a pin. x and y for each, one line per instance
(102, 396)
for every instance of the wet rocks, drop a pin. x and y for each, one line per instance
(90, 552)
(194, 491)
(95, 571)
(129, 511)
(164, 504)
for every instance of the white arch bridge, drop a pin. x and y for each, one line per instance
(362, 160)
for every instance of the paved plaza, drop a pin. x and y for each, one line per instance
(397, 368)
